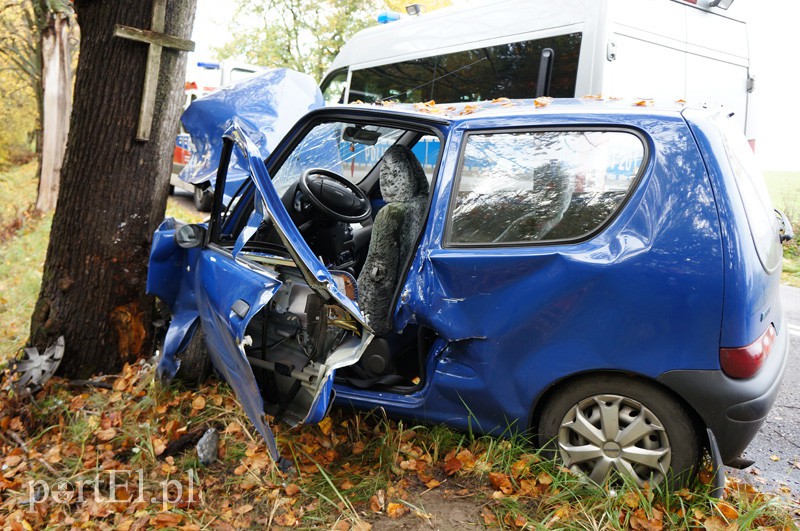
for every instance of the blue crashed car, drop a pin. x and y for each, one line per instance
(603, 275)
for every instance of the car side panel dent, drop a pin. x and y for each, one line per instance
(659, 260)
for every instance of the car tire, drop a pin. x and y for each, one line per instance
(649, 435)
(195, 367)
(203, 199)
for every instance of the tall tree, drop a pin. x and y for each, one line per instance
(304, 35)
(113, 187)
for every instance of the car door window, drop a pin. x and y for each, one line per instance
(541, 186)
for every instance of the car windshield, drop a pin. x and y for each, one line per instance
(348, 149)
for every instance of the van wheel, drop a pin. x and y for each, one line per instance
(605, 423)
(195, 365)
(203, 199)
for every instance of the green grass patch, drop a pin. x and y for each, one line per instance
(18, 187)
(21, 261)
(784, 189)
(23, 244)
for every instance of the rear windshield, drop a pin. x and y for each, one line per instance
(758, 207)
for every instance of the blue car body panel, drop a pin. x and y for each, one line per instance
(634, 298)
(655, 293)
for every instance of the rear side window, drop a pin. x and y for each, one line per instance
(541, 186)
(755, 196)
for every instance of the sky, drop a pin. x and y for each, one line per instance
(774, 29)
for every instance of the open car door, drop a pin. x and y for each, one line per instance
(277, 325)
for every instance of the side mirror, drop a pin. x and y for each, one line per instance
(190, 236)
(786, 232)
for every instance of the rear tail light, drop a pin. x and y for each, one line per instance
(744, 362)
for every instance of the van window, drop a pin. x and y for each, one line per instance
(753, 190)
(543, 186)
(333, 87)
(506, 70)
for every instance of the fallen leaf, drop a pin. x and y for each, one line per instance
(199, 403)
(432, 484)
(325, 426)
(501, 482)
(631, 499)
(287, 519)
(376, 502)
(291, 489)
(452, 465)
(106, 434)
(489, 517)
(715, 523)
(396, 510)
(515, 520)
(775, 458)
(727, 510)
(13, 460)
(244, 509)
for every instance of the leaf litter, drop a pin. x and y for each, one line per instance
(123, 458)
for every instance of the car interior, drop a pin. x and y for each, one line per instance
(358, 195)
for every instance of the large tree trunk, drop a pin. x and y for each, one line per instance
(113, 192)
(56, 106)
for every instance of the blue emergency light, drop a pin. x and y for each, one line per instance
(388, 16)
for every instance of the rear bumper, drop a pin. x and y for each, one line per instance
(733, 409)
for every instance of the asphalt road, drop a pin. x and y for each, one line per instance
(776, 448)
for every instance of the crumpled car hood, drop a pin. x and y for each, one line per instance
(265, 106)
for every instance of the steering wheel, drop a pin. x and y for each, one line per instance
(335, 196)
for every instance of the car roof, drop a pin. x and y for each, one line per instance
(454, 113)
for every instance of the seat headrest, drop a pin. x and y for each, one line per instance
(401, 177)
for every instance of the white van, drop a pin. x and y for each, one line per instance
(659, 49)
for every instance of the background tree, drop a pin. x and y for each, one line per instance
(113, 191)
(36, 44)
(304, 35)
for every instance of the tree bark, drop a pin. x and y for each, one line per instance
(113, 192)
(56, 106)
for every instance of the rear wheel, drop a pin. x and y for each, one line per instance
(203, 199)
(606, 423)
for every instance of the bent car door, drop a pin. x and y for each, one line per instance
(277, 323)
